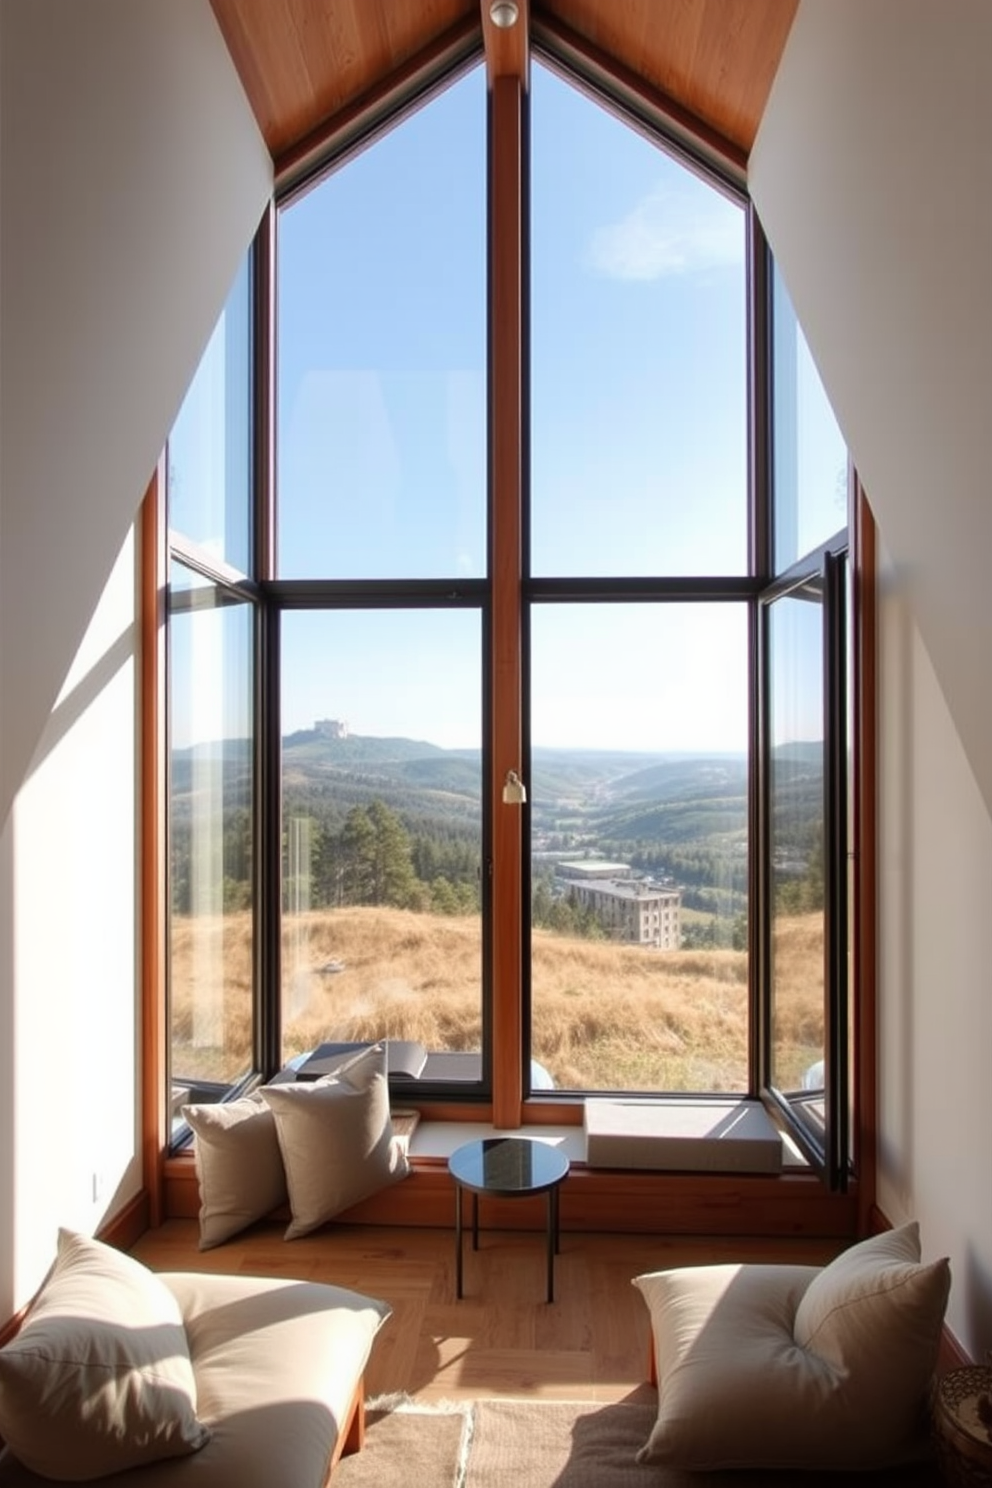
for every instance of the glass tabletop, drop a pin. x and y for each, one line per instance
(508, 1166)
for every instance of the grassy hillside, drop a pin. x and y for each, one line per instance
(605, 1016)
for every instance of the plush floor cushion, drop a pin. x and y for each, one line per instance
(99, 1377)
(337, 1141)
(276, 1364)
(238, 1165)
(794, 1366)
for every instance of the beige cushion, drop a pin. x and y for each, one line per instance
(875, 1316)
(99, 1377)
(277, 1364)
(794, 1367)
(336, 1139)
(238, 1165)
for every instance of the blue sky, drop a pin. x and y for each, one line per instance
(638, 418)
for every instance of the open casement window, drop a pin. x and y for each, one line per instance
(805, 822)
(211, 699)
(805, 787)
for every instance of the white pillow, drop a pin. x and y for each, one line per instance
(874, 1315)
(238, 1165)
(99, 1377)
(795, 1367)
(336, 1139)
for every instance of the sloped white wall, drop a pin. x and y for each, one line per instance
(870, 175)
(71, 930)
(132, 177)
(935, 1011)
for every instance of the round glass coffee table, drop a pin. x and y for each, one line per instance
(507, 1168)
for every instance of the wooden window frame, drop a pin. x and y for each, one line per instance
(718, 159)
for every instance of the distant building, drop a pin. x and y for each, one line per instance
(331, 728)
(629, 909)
(588, 868)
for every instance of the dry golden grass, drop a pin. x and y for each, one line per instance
(604, 1016)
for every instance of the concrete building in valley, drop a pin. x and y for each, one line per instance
(630, 909)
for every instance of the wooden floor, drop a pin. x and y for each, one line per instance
(503, 1338)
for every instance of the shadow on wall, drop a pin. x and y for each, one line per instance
(895, 906)
(7, 1071)
(978, 1306)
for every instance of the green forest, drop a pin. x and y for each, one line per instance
(397, 822)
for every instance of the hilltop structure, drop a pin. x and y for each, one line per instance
(331, 728)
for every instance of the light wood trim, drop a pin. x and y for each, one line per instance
(152, 851)
(553, 1113)
(506, 495)
(129, 1224)
(864, 1010)
(507, 49)
(594, 1200)
(351, 1437)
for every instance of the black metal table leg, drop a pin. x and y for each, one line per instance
(458, 1243)
(507, 1168)
(552, 1240)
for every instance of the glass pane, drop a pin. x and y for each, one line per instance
(638, 353)
(809, 454)
(797, 848)
(382, 355)
(382, 833)
(211, 932)
(209, 456)
(639, 847)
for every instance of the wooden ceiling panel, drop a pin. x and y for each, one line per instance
(303, 61)
(716, 58)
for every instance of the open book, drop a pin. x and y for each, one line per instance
(405, 1059)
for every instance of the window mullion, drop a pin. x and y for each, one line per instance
(506, 482)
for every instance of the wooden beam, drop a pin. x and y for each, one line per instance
(506, 478)
(507, 47)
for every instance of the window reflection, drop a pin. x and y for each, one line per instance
(209, 453)
(796, 804)
(210, 831)
(809, 453)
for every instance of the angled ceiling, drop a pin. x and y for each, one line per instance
(303, 63)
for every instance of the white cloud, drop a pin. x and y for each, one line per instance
(669, 232)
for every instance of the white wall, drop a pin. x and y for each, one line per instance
(935, 954)
(132, 177)
(73, 1102)
(870, 175)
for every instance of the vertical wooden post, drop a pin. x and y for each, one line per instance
(506, 405)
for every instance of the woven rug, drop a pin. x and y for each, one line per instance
(547, 1444)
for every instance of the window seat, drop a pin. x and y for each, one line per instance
(699, 1136)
